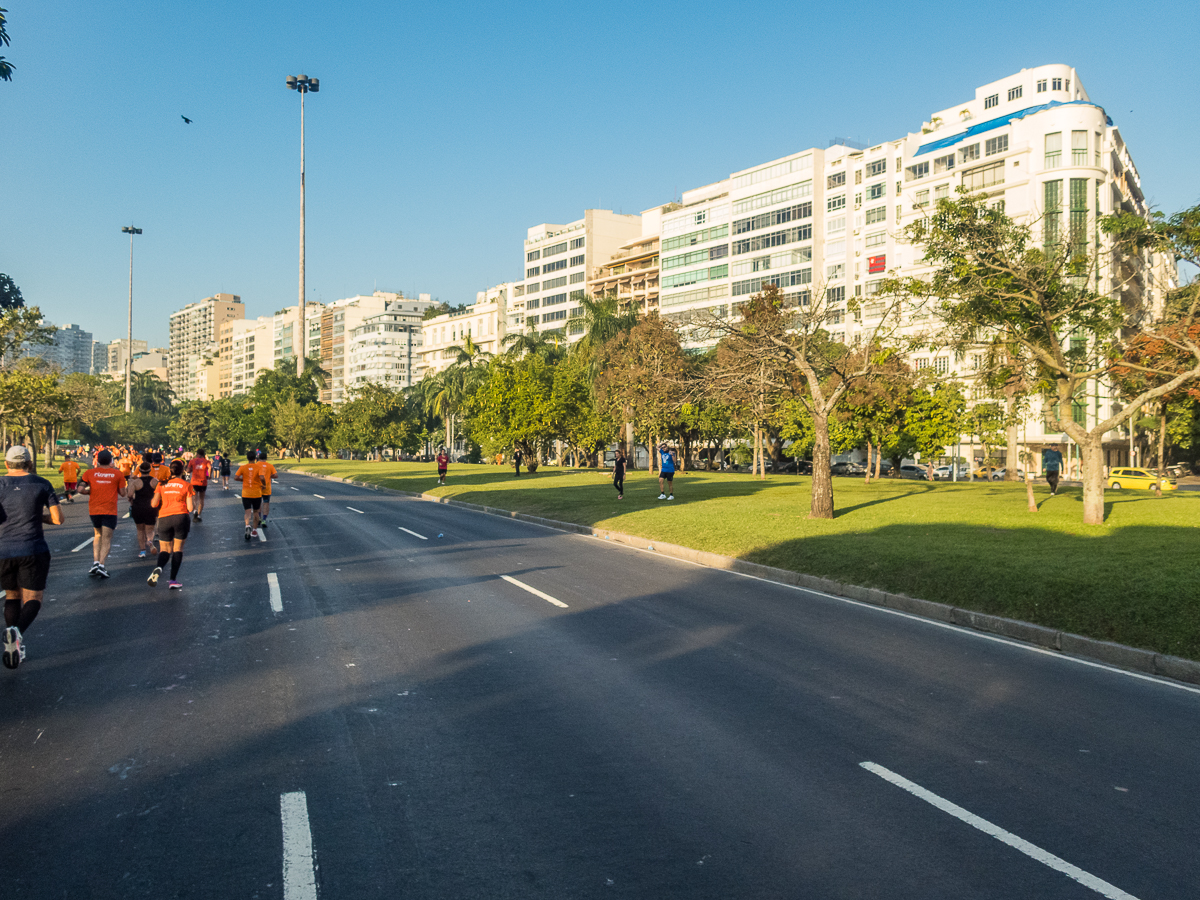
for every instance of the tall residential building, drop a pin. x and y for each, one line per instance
(195, 330)
(245, 347)
(99, 358)
(71, 351)
(557, 260)
(386, 348)
(338, 320)
(632, 272)
(286, 336)
(484, 322)
(118, 353)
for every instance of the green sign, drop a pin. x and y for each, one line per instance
(65, 443)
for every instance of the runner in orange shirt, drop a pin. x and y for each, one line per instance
(103, 485)
(173, 500)
(161, 472)
(251, 492)
(200, 468)
(266, 472)
(70, 474)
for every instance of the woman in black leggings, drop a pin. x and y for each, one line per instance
(619, 474)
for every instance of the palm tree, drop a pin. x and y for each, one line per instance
(470, 355)
(149, 392)
(603, 321)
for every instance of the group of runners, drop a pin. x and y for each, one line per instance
(164, 500)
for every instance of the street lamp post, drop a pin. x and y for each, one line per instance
(131, 231)
(303, 84)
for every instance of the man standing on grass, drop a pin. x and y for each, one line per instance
(443, 461)
(666, 473)
(103, 485)
(1052, 462)
(26, 502)
(517, 460)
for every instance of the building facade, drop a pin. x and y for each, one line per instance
(386, 348)
(632, 272)
(117, 353)
(339, 320)
(484, 322)
(245, 348)
(71, 351)
(556, 263)
(195, 331)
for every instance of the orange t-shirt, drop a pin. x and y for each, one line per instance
(125, 465)
(162, 473)
(200, 467)
(173, 497)
(251, 482)
(106, 485)
(266, 472)
(70, 471)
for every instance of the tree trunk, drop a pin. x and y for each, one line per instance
(1029, 492)
(1092, 452)
(868, 478)
(821, 506)
(1011, 451)
(1162, 447)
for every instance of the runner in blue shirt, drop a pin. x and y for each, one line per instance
(666, 473)
(1052, 463)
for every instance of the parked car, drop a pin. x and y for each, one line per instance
(1137, 478)
(946, 473)
(915, 472)
(1000, 473)
(986, 473)
(847, 468)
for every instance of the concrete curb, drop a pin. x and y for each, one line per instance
(1118, 655)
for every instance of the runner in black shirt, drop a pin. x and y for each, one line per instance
(24, 554)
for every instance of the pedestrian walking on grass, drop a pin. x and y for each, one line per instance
(517, 460)
(1052, 462)
(443, 461)
(666, 472)
(619, 474)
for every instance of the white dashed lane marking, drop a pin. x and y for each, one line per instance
(84, 544)
(523, 586)
(319, 496)
(299, 875)
(359, 511)
(413, 533)
(276, 597)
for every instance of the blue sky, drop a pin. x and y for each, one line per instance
(443, 131)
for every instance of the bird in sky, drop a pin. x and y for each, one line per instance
(185, 118)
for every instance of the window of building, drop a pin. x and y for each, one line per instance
(577, 277)
(920, 170)
(519, 290)
(878, 214)
(876, 167)
(554, 282)
(875, 191)
(783, 280)
(533, 272)
(1056, 84)
(1041, 86)
(775, 239)
(995, 145)
(555, 250)
(554, 266)
(766, 173)
(876, 239)
(531, 288)
(1014, 93)
(836, 225)
(941, 365)
(943, 164)
(719, 251)
(922, 199)
(941, 192)
(770, 219)
(837, 179)
(576, 261)
(835, 295)
(576, 243)
(993, 100)
(1054, 150)
(836, 271)
(968, 154)
(1051, 212)
(772, 198)
(835, 248)
(1079, 148)
(696, 276)
(532, 255)
(1078, 221)
(983, 177)
(1096, 145)
(696, 237)
(858, 176)
(833, 204)
(857, 200)
(1067, 84)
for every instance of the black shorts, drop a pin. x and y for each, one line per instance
(251, 502)
(199, 488)
(104, 522)
(27, 572)
(143, 515)
(668, 476)
(442, 473)
(174, 528)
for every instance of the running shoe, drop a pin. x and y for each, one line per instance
(263, 524)
(247, 534)
(253, 533)
(662, 496)
(198, 519)
(102, 572)
(14, 647)
(153, 579)
(670, 496)
(141, 554)
(94, 569)
(175, 585)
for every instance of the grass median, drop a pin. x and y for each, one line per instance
(1131, 580)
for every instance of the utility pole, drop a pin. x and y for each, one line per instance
(303, 84)
(131, 231)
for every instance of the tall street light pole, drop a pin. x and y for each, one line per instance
(131, 231)
(303, 84)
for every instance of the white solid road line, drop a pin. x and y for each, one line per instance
(262, 534)
(413, 533)
(126, 516)
(1033, 852)
(318, 496)
(84, 544)
(290, 488)
(299, 876)
(359, 511)
(523, 586)
(276, 597)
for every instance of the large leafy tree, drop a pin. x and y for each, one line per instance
(512, 407)
(301, 427)
(191, 425)
(32, 398)
(997, 281)
(19, 326)
(10, 294)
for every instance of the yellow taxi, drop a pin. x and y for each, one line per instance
(987, 473)
(1137, 478)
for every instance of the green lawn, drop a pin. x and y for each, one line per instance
(1132, 580)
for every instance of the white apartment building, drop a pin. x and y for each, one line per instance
(339, 319)
(195, 330)
(557, 261)
(246, 348)
(632, 273)
(286, 334)
(484, 322)
(117, 352)
(832, 219)
(386, 348)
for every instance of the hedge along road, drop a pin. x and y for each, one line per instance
(972, 546)
(432, 728)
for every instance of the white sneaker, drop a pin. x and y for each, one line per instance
(670, 496)
(153, 579)
(14, 647)
(662, 496)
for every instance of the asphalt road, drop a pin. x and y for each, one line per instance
(632, 727)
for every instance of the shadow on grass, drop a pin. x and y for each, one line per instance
(1134, 585)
